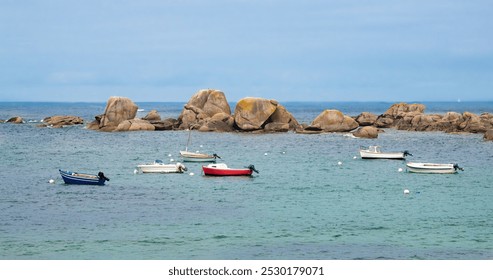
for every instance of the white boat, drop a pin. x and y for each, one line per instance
(196, 157)
(374, 152)
(436, 168)
(158, 166)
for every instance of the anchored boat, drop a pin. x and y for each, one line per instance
(374, 152)
(221, 169)
(435, 168)
(82, 178)
(158, 166)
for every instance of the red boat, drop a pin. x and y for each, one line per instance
(221, 169)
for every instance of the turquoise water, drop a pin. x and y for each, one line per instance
(302, 205)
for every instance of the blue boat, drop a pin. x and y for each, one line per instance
(83, 179)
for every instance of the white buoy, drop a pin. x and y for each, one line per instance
(197, 151)
(51, 181)
(283, 153)
(406, 191)
(400, 170)
(136, 171)
(355, 157)
(191, 174)
(171, 160)
(265, 154)
(201, 146)
(339, 163)
(169, 155)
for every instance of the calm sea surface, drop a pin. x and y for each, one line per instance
(302, 205)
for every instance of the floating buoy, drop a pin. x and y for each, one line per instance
(406, 191)
(171, 160)
(51, 181)
(400, 169)
(283, 153)
(201, 146)
(355, 157)
(197, 151)
(136, 171)
(339, 163)
(265, 154)
(191, 174)
(169, 155)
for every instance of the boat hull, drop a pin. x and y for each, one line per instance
(81, 179)
(196, 157)
(161, 168)
(372, 155)
(431, 168)
(210, 171)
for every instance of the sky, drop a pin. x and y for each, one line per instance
(319, 50)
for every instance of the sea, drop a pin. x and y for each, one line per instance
(313, 199)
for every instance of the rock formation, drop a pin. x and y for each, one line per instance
(253, 114)
(61, 121)
(207, 110)
(366, 118)
(488, 135)
(119, 115)
(15, 120)
(366, 132)
(332, 121)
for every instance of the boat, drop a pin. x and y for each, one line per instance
(82, 178)
(374, 152)
(158, 166)
(436, 168)
(221, 169)
(196, 157)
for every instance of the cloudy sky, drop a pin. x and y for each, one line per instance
(312, 50)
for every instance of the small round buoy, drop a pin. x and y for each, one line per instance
(169, 155)
(339, 163)
(191, 174)
(201, 146)
(283, 153)
(171, 160)
(51, 181)
(400, 169)
(197, 151)
(406, 191)
(136, 171)
(265, 154)
(355, 157)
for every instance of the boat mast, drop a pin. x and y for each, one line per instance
(189, 138)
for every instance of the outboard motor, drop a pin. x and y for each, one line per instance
(101, 176)
(252, 167)
(216, 156)
(457, 167)
(407, 153)
(182, 168)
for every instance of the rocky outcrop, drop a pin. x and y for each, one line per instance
(166, 124)
(61, 121)
(332, 121)
(366, 132)
(153, 115)
(399, 115)
(16, 120)
(201, 110)
(488, 135)
(254, 114)
(366, 118)
(134, 125)
(118, 110)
